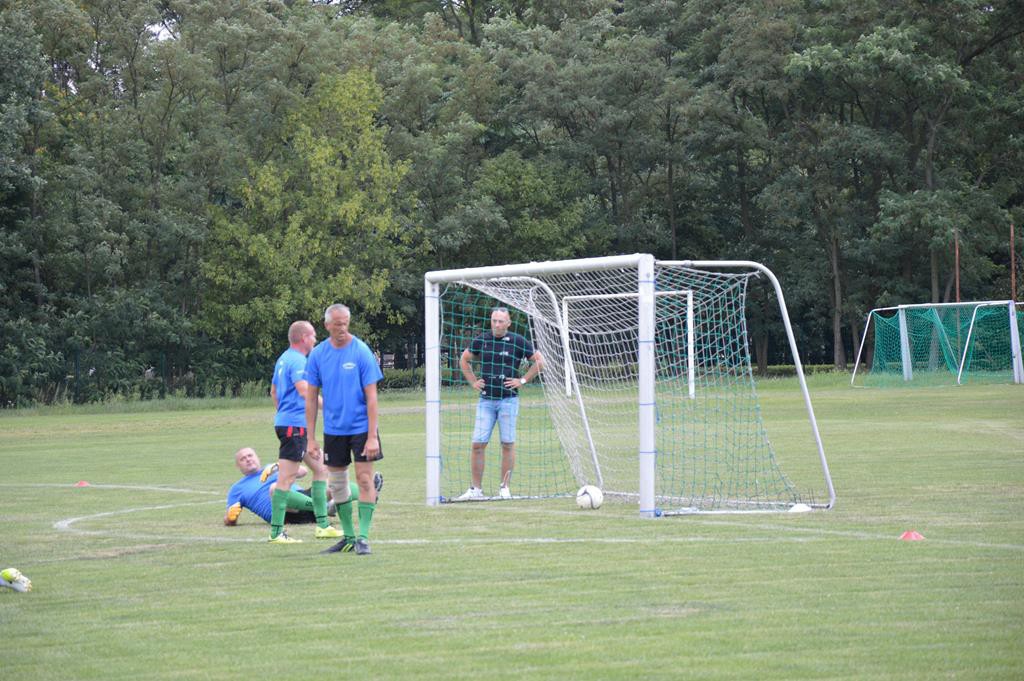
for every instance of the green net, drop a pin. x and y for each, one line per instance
(578, 424)
(943, 344)
(989, 353)
(541, 469)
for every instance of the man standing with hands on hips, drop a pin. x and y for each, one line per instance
(499, 354)
(345, 371)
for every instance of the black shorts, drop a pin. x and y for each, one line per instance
(341, 450)
(293, 442)
(300, 517)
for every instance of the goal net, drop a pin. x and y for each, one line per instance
(943, 344)
(647, 389)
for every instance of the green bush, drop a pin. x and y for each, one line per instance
(402, 379)
(783, 370)
(30, 370)
(254, 390)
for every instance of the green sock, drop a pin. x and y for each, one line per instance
(297, 501)
(278, 506)
(345, 516)
(365, 519)
(319, 493)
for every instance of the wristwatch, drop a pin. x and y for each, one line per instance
(522, 380)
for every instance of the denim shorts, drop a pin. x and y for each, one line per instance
(504, 411)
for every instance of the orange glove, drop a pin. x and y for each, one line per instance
(234, 511)
(268, 470)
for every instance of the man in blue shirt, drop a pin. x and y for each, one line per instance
(345, 372)
(499, 354)
(254, 490)
(288, 391)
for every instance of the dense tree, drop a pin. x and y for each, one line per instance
(181, 178)
(317, 224)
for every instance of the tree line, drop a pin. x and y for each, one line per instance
(180, 179)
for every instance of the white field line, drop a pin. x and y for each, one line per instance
(720, 519)
(144, 488)
(870, 536)
(65, 525)
(805, 533)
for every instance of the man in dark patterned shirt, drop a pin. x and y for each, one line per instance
(499, 355)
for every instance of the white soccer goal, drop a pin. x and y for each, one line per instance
(944, 343)
(647, 388)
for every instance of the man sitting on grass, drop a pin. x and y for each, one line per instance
(255, 489)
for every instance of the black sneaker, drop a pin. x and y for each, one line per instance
(344, 546)
(378, 481)
(362, 547)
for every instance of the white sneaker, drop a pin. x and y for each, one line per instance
(504, 492)
(470, 494)
(13, 579)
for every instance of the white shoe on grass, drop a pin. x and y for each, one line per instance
(283, 538)
(471, 494)
(13, 579)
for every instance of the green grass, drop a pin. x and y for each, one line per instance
(146, 583)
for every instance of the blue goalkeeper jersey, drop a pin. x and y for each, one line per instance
(253, 494)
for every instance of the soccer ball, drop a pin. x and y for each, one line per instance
(589, 497)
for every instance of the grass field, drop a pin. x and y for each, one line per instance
(135, 577)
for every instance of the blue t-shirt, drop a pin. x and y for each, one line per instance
(291, 406)
(341, 374)
(253, 494)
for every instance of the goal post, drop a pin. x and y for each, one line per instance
(647, 388)
(987, 348)
(943, 344)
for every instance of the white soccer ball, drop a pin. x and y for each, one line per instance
(589, 497)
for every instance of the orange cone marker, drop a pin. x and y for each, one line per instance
(911, 535)
(81, 483)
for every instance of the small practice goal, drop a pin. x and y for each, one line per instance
(943, 344)
(647, 389)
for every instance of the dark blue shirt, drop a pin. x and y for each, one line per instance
(500, 359)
